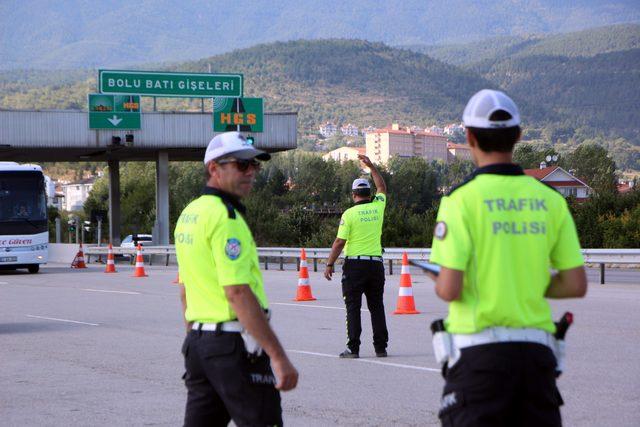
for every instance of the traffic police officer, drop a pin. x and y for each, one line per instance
(496, 237)
(230, 347)
(363, 271)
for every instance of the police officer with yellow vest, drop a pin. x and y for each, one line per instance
(496, 238)
(363, 271)
(230, 349)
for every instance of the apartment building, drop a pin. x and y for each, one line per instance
(382, 144)
(76, 193)
(458, 151)
(343, 154)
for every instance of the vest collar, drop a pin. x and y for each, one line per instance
(362, 202)
(227, 198)
(499, 169)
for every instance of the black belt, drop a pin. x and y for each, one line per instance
(365, 258)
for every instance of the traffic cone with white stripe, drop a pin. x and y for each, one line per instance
(304, 288)
(406, 303)
(111, 262)
(78, 260)
(139, 271)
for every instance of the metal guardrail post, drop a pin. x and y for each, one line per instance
(281, 262)
(297, 264)
(390, 267)
(315, 262)
(167, 261)
(602, 273)
(266, 263)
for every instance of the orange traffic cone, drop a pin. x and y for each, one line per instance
(406, 303)
(111, 263)
(78, 260)
(304, 289)
(139, 271)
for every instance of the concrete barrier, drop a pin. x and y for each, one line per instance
(62, 252)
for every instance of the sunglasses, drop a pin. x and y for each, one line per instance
(241, 164)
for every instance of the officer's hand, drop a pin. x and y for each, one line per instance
(365, 160)
(432, 276)
(328, 272)
(285, 373)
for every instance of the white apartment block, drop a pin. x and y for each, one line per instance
(328, 129)
(349, 130)
(76, 193)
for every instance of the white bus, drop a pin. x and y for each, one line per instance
(24, 232)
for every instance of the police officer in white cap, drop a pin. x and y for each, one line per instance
(359, 234)
(230, 349)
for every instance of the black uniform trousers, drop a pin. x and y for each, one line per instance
(504, 384)
(364, 277)
(224, 384)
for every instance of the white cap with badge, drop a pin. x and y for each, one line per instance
(360, 183)
(233, 144)
(477, 113)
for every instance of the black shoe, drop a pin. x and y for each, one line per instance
(382, 353)
(347, 354)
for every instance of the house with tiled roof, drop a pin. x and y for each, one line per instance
(343, 154)
(566, 183)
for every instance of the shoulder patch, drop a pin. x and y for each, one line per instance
(440, 230)
(233, 248)
(341, 221)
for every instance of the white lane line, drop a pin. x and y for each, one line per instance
(62, 320)
(376, 362)
(4, 283)
(311, 306)
(111, 292)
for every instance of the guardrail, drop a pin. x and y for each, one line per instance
(280, 256)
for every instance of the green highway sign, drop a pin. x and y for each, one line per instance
(152, 83)
(243, 114)
(114, 111)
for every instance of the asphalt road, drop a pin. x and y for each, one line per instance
(87, 348)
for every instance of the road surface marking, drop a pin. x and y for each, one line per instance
(310, 306)
(111, 292)
(376, 362)
(62, 320)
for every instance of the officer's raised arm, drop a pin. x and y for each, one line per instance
(378, 180)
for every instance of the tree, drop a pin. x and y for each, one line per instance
(593, 165)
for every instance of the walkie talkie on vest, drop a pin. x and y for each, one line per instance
(561, 330)
(563, 325)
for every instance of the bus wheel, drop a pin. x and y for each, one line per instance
(33, 268)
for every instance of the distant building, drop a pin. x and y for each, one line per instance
(367, 130)
(76, 193)
(382, 144)
(349, 130)
(54, 197)
(435, 130)
(328, 129)
(625, 186)
(561, 180)
(458, 151)
(344, 154)
(453, 129)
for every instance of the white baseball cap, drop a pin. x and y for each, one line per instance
(360, 183)
(232, 144)
(483, 104)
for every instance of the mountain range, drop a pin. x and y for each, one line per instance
(109, 34)
(575, 87)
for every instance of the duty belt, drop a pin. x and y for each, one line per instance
(365, 257)
(231, 326)
(499, 334)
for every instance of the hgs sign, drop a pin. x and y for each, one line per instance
(243, 114)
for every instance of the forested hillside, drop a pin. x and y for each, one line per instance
(565, 100)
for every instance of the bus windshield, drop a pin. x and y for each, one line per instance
(22, 197)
